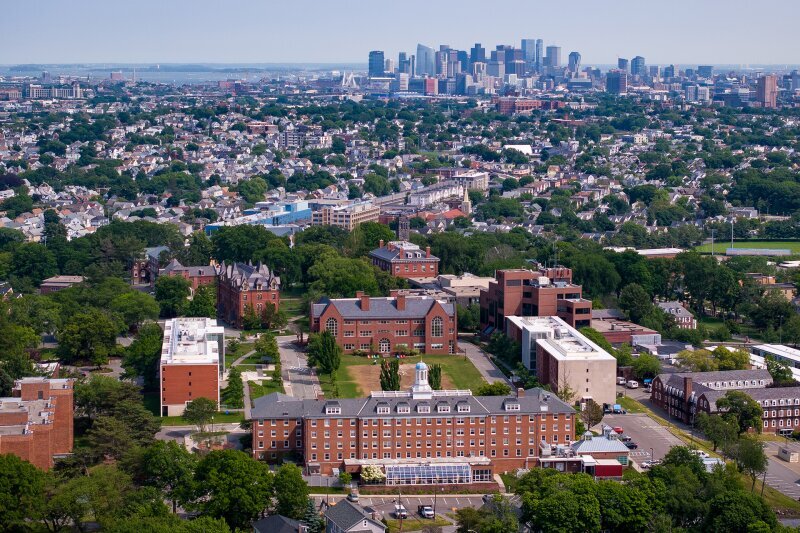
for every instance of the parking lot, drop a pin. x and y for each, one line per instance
(384, 505)
(645, 432)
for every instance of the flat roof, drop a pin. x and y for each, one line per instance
(191, 341)
(778, 349)
(560, 339)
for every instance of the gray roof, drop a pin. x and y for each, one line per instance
(701, 378)
(276, 524)
(534, 401)
(675, 308)
(346, 515)
(396, 254)
(759, 394)
(350, 308)
(599, 444)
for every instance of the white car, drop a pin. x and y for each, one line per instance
(400, 511)
(632, 384)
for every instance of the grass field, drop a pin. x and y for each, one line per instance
(357, 376)
(721, 245)
(231, 356)
(267, 387)
(413, 523)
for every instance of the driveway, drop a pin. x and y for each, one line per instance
(781, 475)
(298, 380)
(480, 359)
(384, 505)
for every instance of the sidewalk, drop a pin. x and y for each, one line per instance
(483, 363)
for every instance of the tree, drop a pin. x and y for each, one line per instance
(203, 303)
(337, 276)
(435, 376)
(168, 524)
(468, 317)
(169, 467)
(233, 395)
(390, 374)
(100, 395)
(312, 519)
(135, 307)
(750, 458)
(250, 319)
(592, 414)
(741, 409)
(780, 371)
(324, 353)
(21, 492)
(728, 359)
(345, 478)
(141, 358)
(372, 474)
(566, 511)
(199, 412)
(272, 317)
(646, 366)
(696, 360)
(231, 485)
(623, 506)
(266, 347)
(88, 336)
(291, 491)
(128, 423)
(33, 261)
(100, 496)
(718, 430)
(496, 388)
(172, 293)
(635, 301)
(739, 511)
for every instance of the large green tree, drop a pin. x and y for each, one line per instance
(324, 353)
(134, 307)
(142, 356)
(199, 412)
(172, 293)
(229, 484)
(291, 491)
(90, 335)
(741, 409)
(21, 492)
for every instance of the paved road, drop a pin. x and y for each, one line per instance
(781, 475)
(645, 432)
(178, 433)
(384, 505)
(298, 380)
(481, 360)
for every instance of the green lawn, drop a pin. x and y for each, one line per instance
(267, 387)
(459, 369)
(292, 306)
(231, 356)
(510, 481)
(720, 246)
(414, 523)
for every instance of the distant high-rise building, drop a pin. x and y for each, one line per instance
(46, 77)
(669, 71)
(574, 61)
(795, 80)
(622, 64)
(552, 56)
(638, 67)
(403, 63)
(388, 66)
(705, 71)
(477, 54)
(767, 91)
(426, 61)
(703, 94)
(376, 64)
(463, 58)
(654, 71)
(539, 54)
(529, 51)
(690, 93)
(617, 82)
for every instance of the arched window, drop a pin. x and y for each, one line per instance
(332, 325)
(437, 327)
(384, 346)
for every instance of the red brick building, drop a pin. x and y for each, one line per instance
(420, 436)
(192, 356)
(388, 325)
(197, 275)
(36, 423)
(405, 260)
(542, 292)
(242, 285)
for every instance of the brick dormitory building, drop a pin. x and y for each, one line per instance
(388, 325)
(419, 436)
(684, 394)
(405, 260)
(36, 422)
(531, 293)
(241, 285)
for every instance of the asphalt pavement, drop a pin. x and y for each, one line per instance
(384, 505)
(481, 361)
(645, 432)
(298, 380)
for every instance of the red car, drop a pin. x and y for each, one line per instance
(618, 430)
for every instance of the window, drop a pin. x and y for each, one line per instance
(384, 346)
(332, 325)
(437, 327)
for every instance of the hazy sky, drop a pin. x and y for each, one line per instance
(164, 31)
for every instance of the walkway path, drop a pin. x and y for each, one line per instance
(298, 380)
(482, 362)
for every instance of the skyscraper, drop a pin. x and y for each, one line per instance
(426, 65)
(376, 64)
(574, 61)
(705, 71)
(617, 82)
(669, 71)
(552, 56)
(622, 64)
(767, 91)
(638, 67)
(529, 51)
(477, 54)
(539, 54)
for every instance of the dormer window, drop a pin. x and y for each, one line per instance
(423, 408)
(463, 408)
(443, 408)
(403, 408)
(333, 408)
(511, 405)
(383, 409)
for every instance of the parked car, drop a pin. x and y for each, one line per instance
(353, 496)
(650, 464)
(625, 438)
(618, 430)
(632, 384)
(400, 511)
(621, 381)
(618, 410)
(701, 454)
(607, 409)
(425, 511)
(631, 445)
(487, 498)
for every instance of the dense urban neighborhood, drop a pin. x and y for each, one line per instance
(467, 290)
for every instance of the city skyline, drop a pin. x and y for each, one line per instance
(249, 32)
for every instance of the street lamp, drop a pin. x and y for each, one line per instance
(434, 501)
(652, 455)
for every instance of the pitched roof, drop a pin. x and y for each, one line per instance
(276, 524)
(350, 308)
(346, 515)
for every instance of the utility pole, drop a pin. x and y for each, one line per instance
(731, 233)
(713, 231)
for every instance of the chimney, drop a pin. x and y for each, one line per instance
(381, 244)
(427, 251)
(364, 300)
(520, 392)
(401, 302)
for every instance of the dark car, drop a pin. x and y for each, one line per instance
(631, 445)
